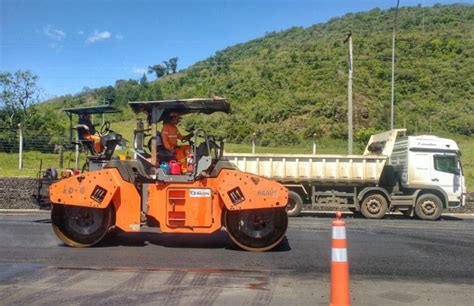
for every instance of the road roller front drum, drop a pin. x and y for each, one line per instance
(79, 226)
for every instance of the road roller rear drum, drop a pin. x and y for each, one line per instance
(257, 230)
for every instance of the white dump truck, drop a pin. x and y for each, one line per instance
(416, 175)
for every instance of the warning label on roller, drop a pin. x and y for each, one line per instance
(200, 193)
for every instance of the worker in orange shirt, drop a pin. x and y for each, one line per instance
(170, 136)
(87, 131)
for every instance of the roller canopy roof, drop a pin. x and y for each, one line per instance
(98, 109)
(182, 106)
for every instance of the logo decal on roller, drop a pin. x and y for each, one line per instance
(267, 193)
(236, 196)
(98, 194)
(200, 193)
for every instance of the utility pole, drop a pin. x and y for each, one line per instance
(393, 66)
(349, 95)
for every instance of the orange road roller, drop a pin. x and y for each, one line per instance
(207, 193)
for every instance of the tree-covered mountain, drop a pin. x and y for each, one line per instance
(288, 85)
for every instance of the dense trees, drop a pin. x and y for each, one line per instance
(288, 85)
(19, 95)
(298, 78)
(18, 92)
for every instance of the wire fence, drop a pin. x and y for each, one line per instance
(9, 141)
(12, 140)
(26, 149)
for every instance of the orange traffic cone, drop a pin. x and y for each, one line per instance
(339, 264)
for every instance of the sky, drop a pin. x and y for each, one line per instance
(73, 44)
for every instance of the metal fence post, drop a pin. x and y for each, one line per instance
(254, 135)
(20, 147)
(61, 157)
(314, 144)
(76, 165)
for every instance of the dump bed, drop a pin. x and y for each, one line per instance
(327, 169)
(334, 169)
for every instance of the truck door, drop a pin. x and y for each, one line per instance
(419, 170)
(446, 173)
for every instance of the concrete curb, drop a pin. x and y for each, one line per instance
(23, 211)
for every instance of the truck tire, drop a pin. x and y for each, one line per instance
(374, 206)
(428, 207)
(295, 204)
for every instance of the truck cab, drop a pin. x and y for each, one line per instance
(431, 162)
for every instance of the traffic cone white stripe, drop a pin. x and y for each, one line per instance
(339, 255)
(338, 232)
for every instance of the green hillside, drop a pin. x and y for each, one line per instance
(288, 85)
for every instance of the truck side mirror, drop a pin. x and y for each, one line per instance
(457, 166)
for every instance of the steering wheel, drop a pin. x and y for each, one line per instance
(189, 138)
(148, 145)
(105, 128)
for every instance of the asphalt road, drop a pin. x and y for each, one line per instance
(395, 261)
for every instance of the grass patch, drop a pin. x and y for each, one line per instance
(31, 162)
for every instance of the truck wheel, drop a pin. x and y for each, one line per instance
(428, 207)
(374, 206)
(295, 204)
